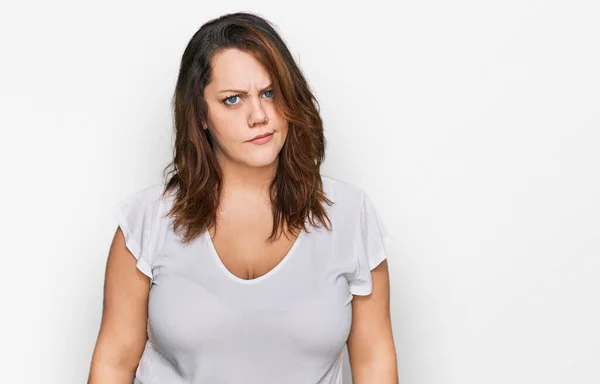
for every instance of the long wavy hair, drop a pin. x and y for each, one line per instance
(194, 176)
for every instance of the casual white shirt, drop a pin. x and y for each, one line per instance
(207, 326)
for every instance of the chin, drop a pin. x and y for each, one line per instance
(261, 159)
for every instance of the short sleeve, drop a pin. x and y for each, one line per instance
(372, 240)
(137, 216)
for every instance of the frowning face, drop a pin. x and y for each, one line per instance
(241, 108)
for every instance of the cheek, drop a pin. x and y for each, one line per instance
(284, 132)
(224, 127)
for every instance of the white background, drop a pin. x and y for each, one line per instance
(472, 125)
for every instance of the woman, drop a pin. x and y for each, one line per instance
(245, 265)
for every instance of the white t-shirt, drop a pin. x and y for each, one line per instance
(206, 325)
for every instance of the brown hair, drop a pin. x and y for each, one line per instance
(296, 191)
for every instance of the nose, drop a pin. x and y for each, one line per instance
(258, 114)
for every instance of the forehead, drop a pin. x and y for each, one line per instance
(236, 68)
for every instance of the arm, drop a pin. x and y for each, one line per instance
(370, 344)
(122, 334)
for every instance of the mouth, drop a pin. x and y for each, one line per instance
(260, 139)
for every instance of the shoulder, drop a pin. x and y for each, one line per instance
(148, 197)
(142, 207)
(140, 217)
(346, 195)
(149, 193)
(352, 205)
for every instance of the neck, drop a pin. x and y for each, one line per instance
(242, 180)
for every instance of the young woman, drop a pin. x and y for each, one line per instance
(245, 265)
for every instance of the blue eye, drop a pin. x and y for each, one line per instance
(230, 99)
(270, 90)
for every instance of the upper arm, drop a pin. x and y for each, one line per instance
(122, 335)
(128, 278)
(370, 342)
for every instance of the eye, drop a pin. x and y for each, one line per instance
(231, 99)
(271, 92)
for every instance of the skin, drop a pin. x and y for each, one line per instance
(371, 349)
(244, 222)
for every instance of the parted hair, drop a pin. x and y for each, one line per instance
(194, 177)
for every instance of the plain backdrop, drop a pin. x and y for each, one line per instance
(472, 125)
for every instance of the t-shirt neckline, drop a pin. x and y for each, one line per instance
(271, 272)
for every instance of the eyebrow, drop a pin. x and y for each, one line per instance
(243, 92)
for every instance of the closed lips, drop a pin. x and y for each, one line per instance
(261, 136)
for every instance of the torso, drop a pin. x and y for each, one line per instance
(238, 309)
